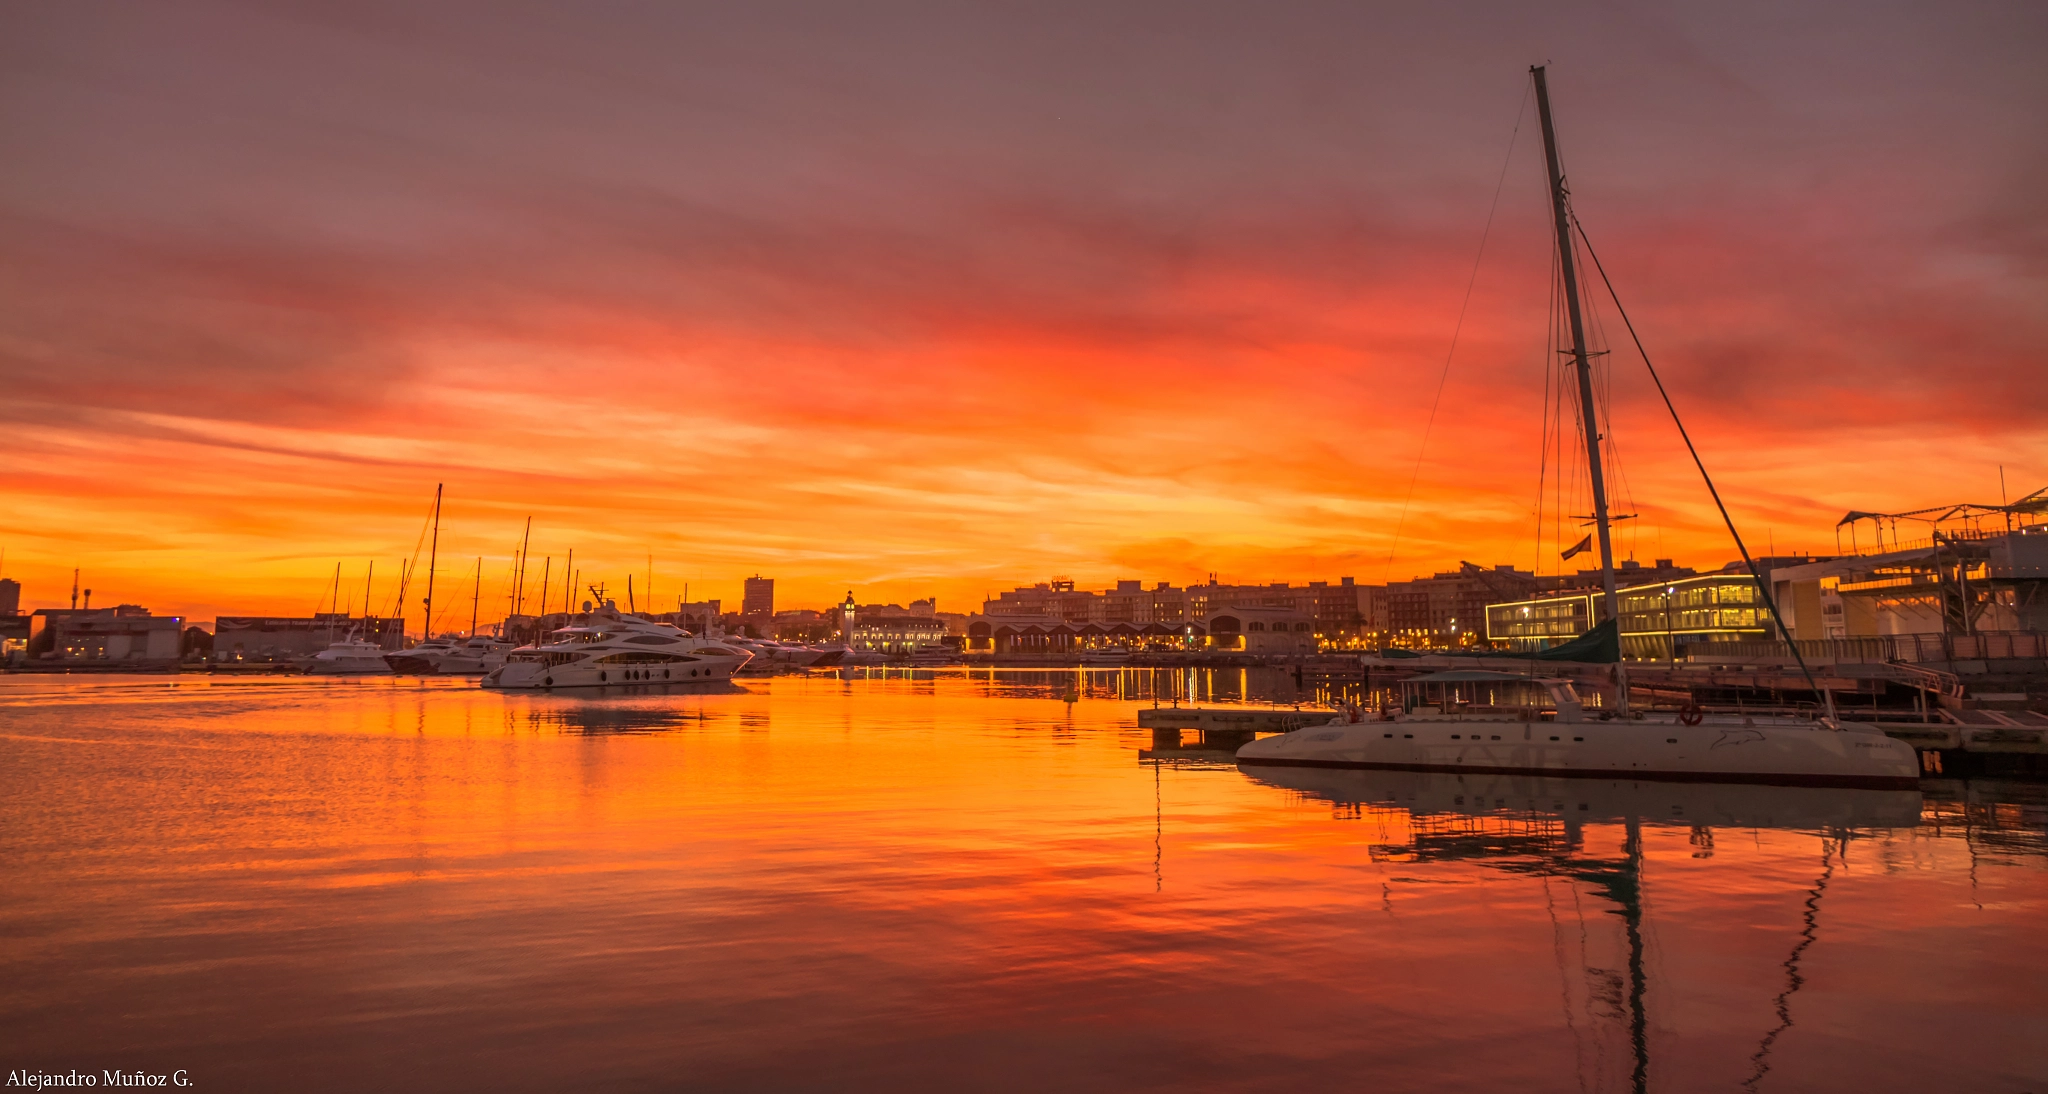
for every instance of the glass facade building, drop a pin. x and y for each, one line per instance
(1660, 621)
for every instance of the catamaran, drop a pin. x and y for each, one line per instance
(1500, 723)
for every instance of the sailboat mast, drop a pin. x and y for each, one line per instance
(1561, 210)
(476, 595)
(519, 576)
(433, 552)
(369, 572)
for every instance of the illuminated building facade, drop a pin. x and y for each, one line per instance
(898, 634)
(1659, 621)
(1449, 610)
(1130, 614)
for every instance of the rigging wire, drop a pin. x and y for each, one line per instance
(1604, 398)
(1762, 587)
(1456, 328)
(1543, 453)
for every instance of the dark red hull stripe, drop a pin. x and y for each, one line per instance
(1861, 782)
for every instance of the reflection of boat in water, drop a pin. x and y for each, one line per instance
(1480, 722)
(1598, 801)
(604, 718)
(1536, 827)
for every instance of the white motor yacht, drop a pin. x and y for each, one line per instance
(613, 648)
(1498, 723)
(769, 653)
(796, 656)
(451, 656)
(349, 657)
(1108, 657)
(843, 654)
(423, 659)
(475, 655)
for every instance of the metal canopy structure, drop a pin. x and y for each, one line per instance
(2034, 504)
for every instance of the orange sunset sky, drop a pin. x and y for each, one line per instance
(937, 300)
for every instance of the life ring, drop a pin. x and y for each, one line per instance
(1691, 714)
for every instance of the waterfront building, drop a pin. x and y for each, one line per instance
(1261, 630)
(758, 599)
(124, 636)
(898, 633)
(284, 638)
(1132, 614)
(14, 626)
(1449, 609)
(1678, 618)
(796, 625)
(1966, 582)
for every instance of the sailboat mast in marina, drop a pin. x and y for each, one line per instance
(433, 552)
(1582, 362)
(1484, 722)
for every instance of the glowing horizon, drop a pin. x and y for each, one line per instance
(939, 307)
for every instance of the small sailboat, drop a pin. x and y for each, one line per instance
(1498, 723)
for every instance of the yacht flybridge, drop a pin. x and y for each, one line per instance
(1500, 723)
(611, 648)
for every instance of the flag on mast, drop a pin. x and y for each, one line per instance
(1580, 547)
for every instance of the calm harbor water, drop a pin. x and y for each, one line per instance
(963, 879)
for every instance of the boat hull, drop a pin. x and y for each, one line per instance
(533, 676)
(1721, 805)
(351, 667)
(1763, 754)
(413, 664)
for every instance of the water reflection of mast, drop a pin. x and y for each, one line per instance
(1793, 980)
(1632, 914)
(1158, 834)
(1552, 847)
